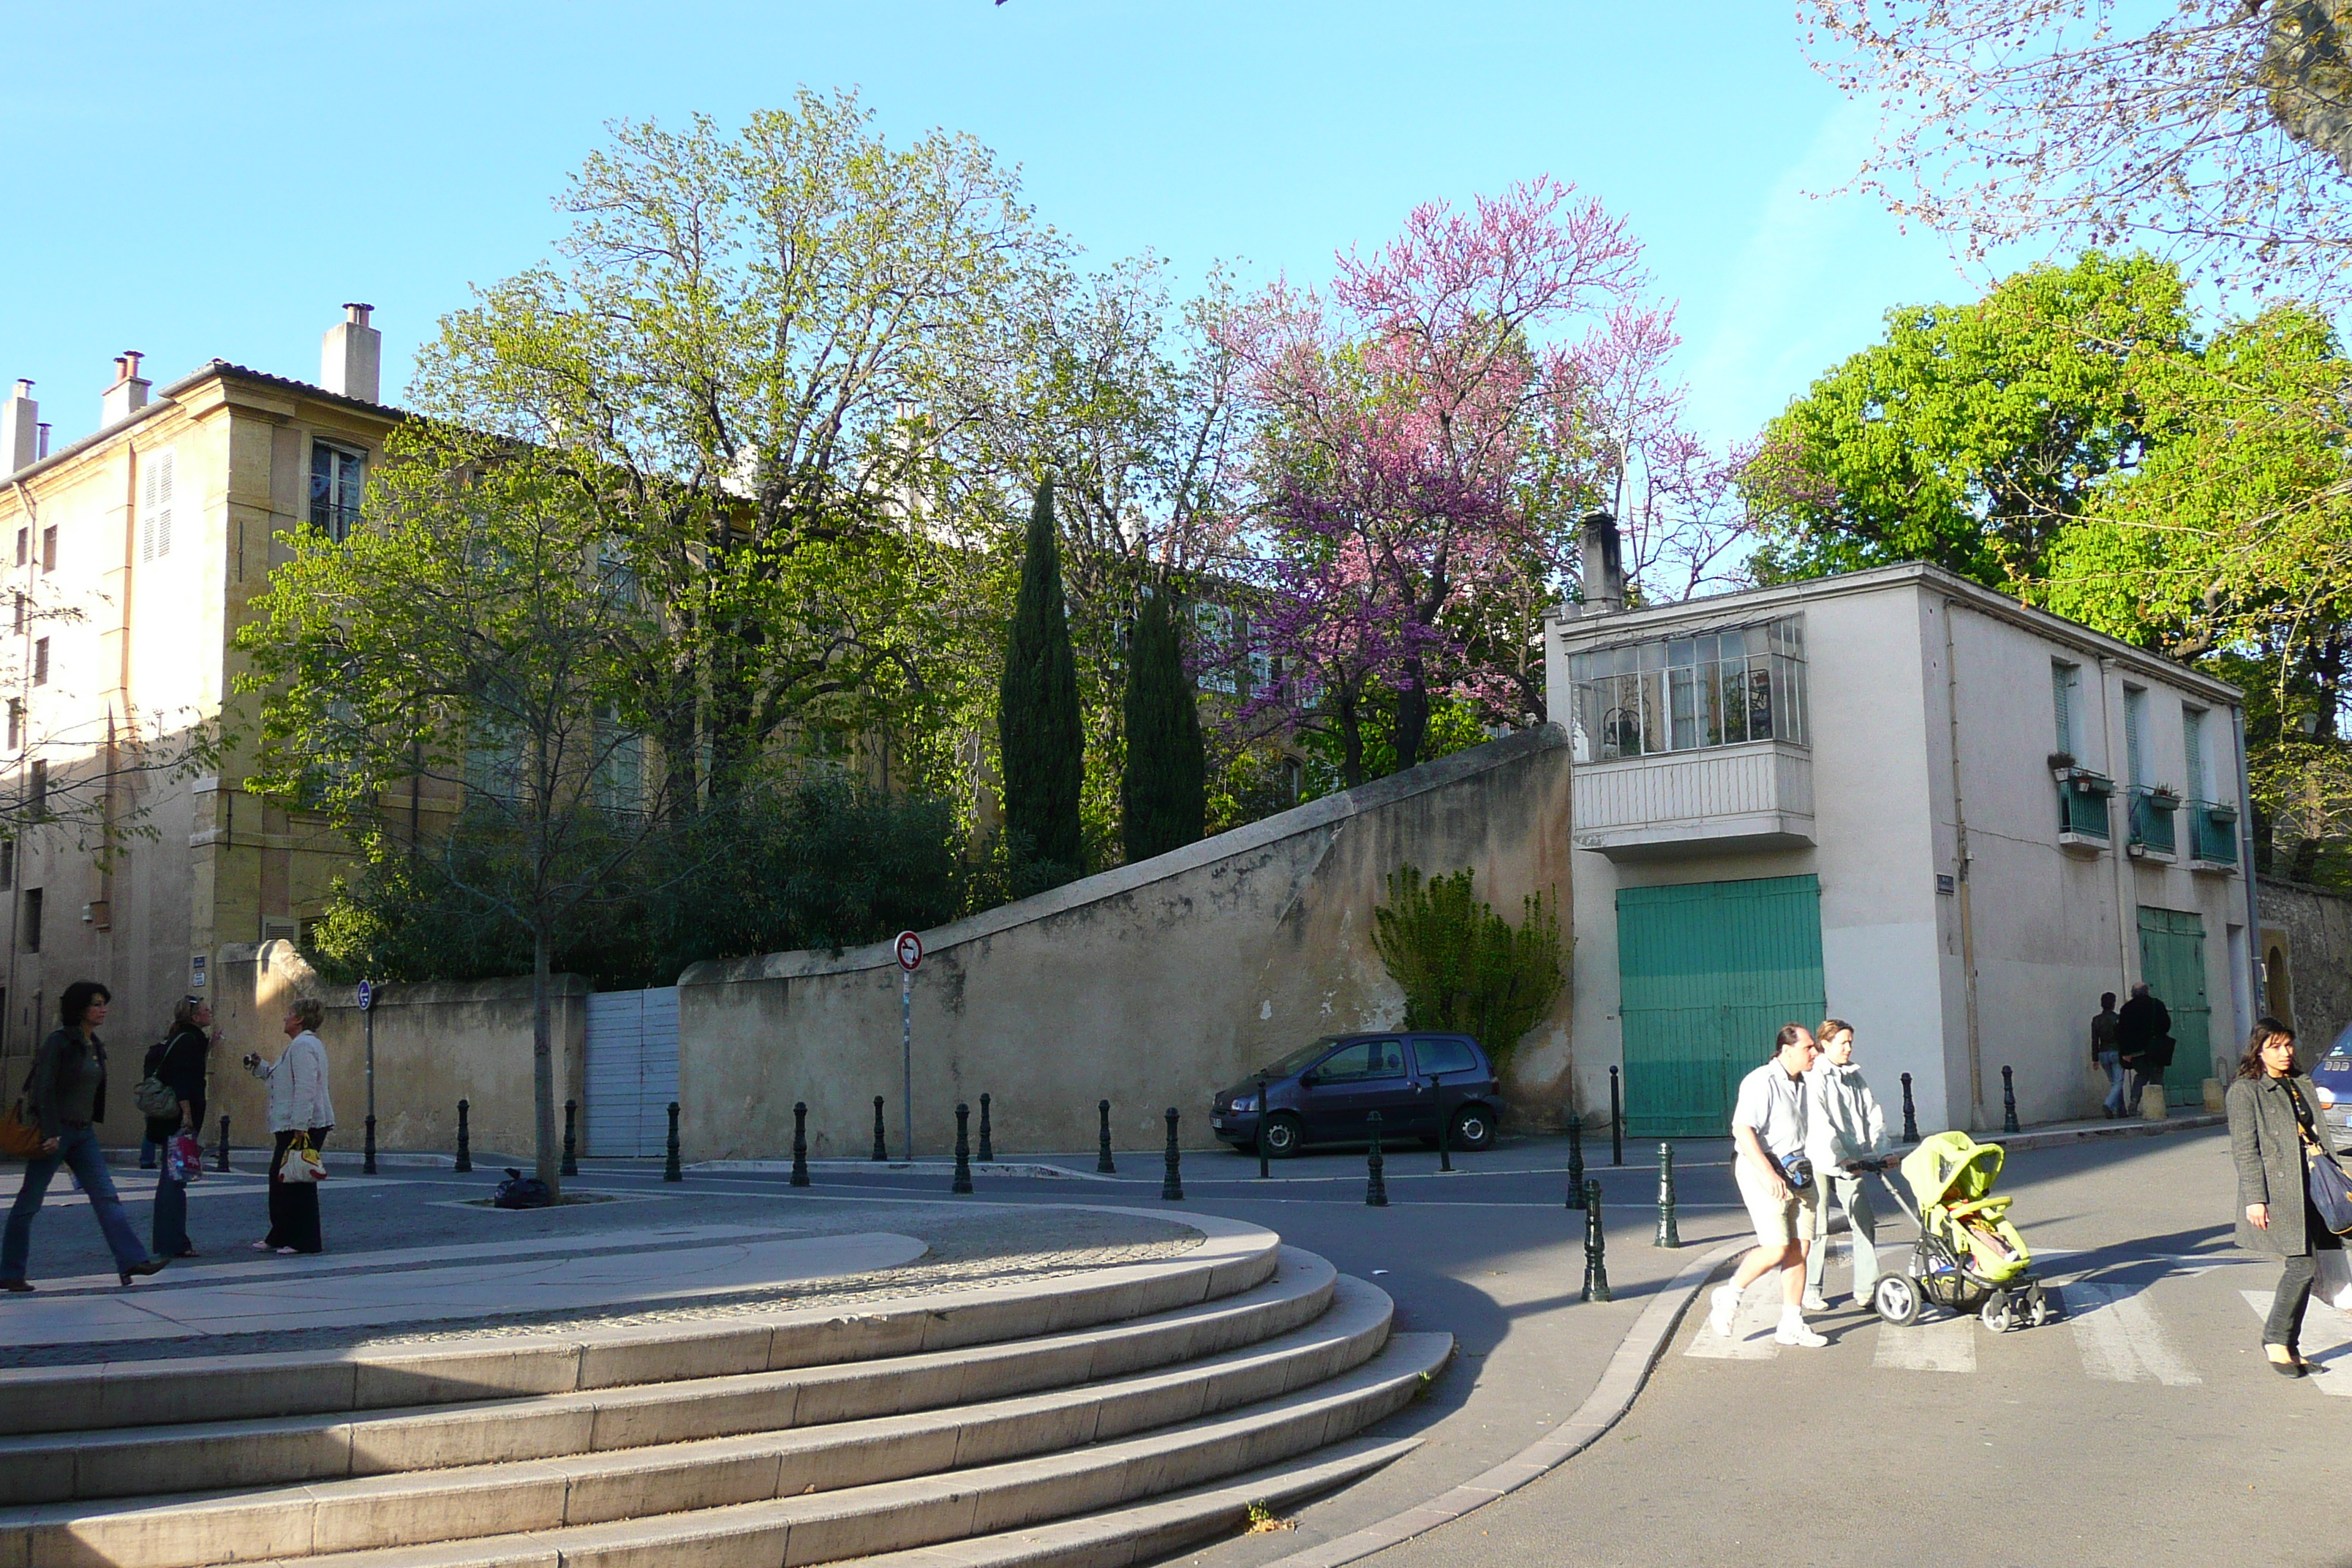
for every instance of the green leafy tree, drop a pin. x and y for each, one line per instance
(1163, 793)
(1039, 732)
(1465, 968)
(1973, 432)
(463, 646)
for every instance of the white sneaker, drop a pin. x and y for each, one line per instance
(1792, 1332)
(1816, 1304)
(1720, 1306)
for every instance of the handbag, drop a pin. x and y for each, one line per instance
(19, 1138)
(155, 1098)
(2331, 1193)
(302, 1163)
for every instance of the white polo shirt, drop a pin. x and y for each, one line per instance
(1773, 1103)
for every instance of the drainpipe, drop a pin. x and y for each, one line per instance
(1960, 829)
(2246, 864)
(2126, 923)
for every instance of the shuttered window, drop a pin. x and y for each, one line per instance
(2064, 684)
(2192, 748)
(2135, 727)
(156, 477)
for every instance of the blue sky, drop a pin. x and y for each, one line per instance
(195, 182)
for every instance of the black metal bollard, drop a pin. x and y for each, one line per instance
(1668, 1236)
(367, 1164)
(2008, 1101)
(987, 1144)
(223, 1151)
(1171, 1186)
(882, 1149)
(1102, 1161)
(670, 1172)
(1262, 1172)
(571, 1166)
(1376, 1185)
(1596, 1260)
(1445, 1152)
(1910, 1121)
(1575, 1160)
(800, 1143)
(1616, 1121)
(465, 1138)
(963, 1180)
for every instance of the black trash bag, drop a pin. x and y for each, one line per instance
(521, 1192)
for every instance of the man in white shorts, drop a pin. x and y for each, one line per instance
(1768, 1126)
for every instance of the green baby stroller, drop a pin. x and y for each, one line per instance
(1969, 1256)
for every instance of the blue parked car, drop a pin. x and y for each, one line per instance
(1325, 1091)
(2332, 1076)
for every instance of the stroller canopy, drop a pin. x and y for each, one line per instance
(1951, 1167)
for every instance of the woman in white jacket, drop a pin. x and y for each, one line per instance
(1843, 1124)
(299, 1107)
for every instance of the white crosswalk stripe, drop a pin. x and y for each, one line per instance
(2119, 1338)
(2326, 1339)
(1945, 1344)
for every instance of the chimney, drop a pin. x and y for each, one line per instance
(127, 395)
(351, 358)
(1604, 566)
(20, 430)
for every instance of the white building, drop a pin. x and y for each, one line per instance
(1898, 798)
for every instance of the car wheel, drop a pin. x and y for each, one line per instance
(1283, 1135)
(1472, 1130)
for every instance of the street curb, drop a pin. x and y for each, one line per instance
(2059, 1138)
(1628, 1369)
(905, 1167)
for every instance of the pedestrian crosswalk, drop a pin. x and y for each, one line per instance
(2326, 1341)
(2113, 1327)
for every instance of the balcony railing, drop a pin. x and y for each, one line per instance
(2082, 808)
(2152, 821)
(2212, 833)
(1753, 797)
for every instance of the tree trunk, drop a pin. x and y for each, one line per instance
(1351, 742)
(543, 1064)
(1413, 715)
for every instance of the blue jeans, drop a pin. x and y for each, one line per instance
(78, 1148)
(2114, 1103)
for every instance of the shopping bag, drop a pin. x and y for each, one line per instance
(183, 1158)
(302, 1163)
(2333, 1284)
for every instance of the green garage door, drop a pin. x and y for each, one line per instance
(2173, 962)
(1706, 972)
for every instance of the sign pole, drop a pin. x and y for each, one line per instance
(909, 948)
(367, 1011)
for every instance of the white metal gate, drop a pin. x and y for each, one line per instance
(632, 1070)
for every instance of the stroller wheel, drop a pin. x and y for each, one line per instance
(1897, 1299)
(2042, 1306)
(1998, 1313)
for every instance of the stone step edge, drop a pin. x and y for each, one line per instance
(1147, 1531)
(1233, 1258)
(839, 1525)
(1123, 1352)
(518, 1496)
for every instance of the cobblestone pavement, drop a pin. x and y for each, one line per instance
(963, 1248)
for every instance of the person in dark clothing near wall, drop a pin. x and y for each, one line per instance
(2108, 1058)
(65, 1097)
(180, 1067)
(2144, 1042)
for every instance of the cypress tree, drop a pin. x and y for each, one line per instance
(1162, 795)
(1037, 707)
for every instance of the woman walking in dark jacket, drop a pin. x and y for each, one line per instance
(65, 1094)
(180, 1067)
(2275, 1131)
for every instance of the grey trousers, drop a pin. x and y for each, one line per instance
(1853, 1196)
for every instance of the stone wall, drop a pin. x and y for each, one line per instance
(434, 1044)
(2311, 931)
(1152, 985)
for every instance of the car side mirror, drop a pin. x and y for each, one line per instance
(1308, 1080)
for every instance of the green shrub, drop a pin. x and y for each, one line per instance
(1465, 968)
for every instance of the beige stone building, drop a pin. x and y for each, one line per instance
(131, 557)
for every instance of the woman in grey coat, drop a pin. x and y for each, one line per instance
(2274, 1130)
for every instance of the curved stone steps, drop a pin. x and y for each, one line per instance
(210, 1456)
(1234, 1257)
(593, 1488)
(961, 1505)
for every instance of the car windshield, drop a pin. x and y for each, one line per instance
(1300, 1060)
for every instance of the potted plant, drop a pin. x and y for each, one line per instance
(2163, 797)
